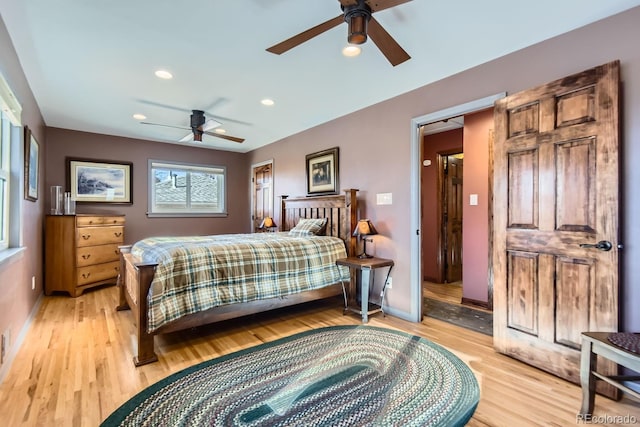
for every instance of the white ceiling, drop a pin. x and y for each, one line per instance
(90, 63)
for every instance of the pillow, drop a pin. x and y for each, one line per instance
(309, 227)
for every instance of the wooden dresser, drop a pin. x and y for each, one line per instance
(81, 251)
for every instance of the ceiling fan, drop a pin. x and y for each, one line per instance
(199, 126)
(359, 15)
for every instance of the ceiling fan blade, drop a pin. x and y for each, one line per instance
(211, 124)
(227, 137)
(167, 126)
(378, 5)
(304, 36)
(387, 45)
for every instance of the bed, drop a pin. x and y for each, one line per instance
(141, 263)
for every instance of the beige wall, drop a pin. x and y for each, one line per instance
(66, 143)
(17, 299)
(475, 231)
(375, 142)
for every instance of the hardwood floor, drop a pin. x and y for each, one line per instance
(445, 292)
(75, 365)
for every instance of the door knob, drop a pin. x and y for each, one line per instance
(602, 245)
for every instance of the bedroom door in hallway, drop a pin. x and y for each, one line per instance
(452, 167)
(262, 201)
(555, 213)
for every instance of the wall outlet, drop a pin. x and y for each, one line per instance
(4, 346)
(33, 283)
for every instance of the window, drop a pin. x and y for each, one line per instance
(5, 173)
(10, 135)
(180, 189)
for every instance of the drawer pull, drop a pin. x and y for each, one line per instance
(86, 236)
(117, 252)
(118, 234)
(86, 275)
(86, 256)
(117, 269)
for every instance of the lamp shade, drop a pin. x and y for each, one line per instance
(268, 223)
(365, 228)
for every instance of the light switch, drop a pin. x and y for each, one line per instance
(384, 198)
(473, 200)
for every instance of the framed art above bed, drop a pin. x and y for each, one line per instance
(322, 172)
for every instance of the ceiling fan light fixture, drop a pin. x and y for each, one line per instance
(163, 74)
(357, 28)
(351, 50)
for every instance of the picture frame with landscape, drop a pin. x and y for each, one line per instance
(99, 181)
(322, 172)
(31, 165)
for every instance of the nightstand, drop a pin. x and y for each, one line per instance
(365, 269)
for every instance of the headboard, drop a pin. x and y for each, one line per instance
(340, 210)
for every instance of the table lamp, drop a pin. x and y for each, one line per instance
(267, 224)
(363, 229)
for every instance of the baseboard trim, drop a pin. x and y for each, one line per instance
(475, 303)
(13, 351)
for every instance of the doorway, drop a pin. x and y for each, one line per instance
(262, 193)
(442, 178)
(418, 124)
(450, 177)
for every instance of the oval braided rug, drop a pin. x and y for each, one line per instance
(335, 376)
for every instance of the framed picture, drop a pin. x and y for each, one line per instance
(31, 165)
(99, 181)
(322, 172)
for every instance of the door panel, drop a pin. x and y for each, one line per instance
(262, 194)
(555, 187)
(453, 218)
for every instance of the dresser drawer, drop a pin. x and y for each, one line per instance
(97, 273)
(91, 236)
(91, 221)
(89, 255)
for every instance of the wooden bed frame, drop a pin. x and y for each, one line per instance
(136, 276)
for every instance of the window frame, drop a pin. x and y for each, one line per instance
(188, 168)
(5, 180)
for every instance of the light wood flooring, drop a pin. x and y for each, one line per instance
(446, 292)
(75, 365)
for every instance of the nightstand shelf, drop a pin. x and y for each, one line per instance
(365, 269)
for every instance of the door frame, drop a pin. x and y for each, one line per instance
(252, 188)
(416, 165)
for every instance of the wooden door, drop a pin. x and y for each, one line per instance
(555, 187)
(262, 194)
(453, 217)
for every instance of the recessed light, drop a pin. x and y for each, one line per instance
(267, 102)
(163, 74)
(139, 116)
(351, 50)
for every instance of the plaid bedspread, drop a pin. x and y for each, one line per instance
(201, 272)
